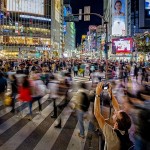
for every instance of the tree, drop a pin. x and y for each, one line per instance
(142, 42)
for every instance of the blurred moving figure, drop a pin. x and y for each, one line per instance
(53, 87)
(75, 70)
(140, 112)
(14, 89)
(38, 90)
(3, 87)
(82, 103)
(25, 94)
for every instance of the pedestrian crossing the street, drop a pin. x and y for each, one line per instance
(19, 133)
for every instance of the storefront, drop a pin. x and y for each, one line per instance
(125, 57)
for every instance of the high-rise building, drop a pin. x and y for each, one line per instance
(57, 26)
(70, 37)
(118, 15)
(69, 32)
(25, 28)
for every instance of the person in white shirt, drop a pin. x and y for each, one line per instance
(53, 86)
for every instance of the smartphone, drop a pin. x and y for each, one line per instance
(105, 88)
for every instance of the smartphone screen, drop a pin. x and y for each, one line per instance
(105, 88)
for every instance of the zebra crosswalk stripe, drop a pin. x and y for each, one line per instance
(75, 143)
(21, 134)
(52, 134)
(13, 120)
(15, 141)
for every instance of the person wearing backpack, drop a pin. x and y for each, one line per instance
(82, 103)
(38, 90)
(116, 137)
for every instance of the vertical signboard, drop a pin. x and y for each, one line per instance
(57, 10)
(119, 18)
(64, 23)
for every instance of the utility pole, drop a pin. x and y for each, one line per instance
(106, 39)
(106, 27)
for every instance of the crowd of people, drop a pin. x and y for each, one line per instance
(31, 80)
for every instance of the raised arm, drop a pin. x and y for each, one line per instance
(114, 100)
(97, 112)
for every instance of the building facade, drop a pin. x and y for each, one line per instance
(25, 28)
(70, 37)
(69, 32)
(118, 15)
(57, 27)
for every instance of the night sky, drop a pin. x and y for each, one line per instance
(81, 26)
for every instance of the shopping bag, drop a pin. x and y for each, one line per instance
(7, 100)
(81, 71)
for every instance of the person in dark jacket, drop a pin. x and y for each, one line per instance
(136, 70)
(14, 88)
(3, 87)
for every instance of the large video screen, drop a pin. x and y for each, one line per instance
(26, 6)
(123, 45)
(147, 4)
(119, 17)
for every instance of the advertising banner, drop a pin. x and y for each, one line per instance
(144, 14)
(147, 8)
(123, 45)
(119, 17)
(16, 27)
(26, 6)
(64, 23)
(57, 10)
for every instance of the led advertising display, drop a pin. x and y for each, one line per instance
(26, 6)
(147, 4)
(147, 8)
(144, 14)
(124, 45)
(57, 10)
(118, 18)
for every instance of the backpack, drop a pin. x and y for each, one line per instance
(125, 142)
(42, 90)
(85, 102)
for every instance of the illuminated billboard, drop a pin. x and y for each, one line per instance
(144, 14)
(147, 8)
(26, 6)
(118, 17)
(57, 10)
(147, 4)
(123, 45)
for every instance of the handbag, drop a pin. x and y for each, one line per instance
(8, 100)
